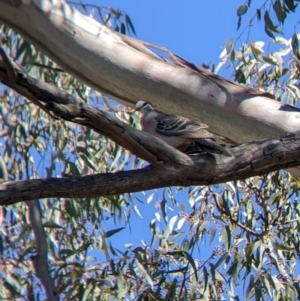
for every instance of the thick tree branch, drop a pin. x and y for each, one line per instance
(250, 160)
(125, 69)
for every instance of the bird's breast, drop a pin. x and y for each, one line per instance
(148, 124)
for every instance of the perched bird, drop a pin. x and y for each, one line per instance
(184, 134)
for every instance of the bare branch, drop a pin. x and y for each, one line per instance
(251, 159)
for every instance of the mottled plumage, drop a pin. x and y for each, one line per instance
(182, 133)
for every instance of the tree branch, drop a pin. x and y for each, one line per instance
(251, 159)
(130, 71)
(170, 167)
(62, 104)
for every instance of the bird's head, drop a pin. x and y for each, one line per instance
(143, 107)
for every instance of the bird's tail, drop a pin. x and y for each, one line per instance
(201, 145)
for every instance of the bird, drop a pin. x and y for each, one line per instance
(186, 135)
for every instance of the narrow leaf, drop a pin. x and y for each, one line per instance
(113, 232)
(129, 23)
(295, 45)
(145, 274)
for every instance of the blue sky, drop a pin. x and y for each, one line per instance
(195, 30)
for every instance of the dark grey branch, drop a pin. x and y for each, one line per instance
(251, 159)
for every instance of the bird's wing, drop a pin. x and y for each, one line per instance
(172, 125)
(199, 145)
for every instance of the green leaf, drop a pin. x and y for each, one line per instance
(145, 274)
(269, 26)
(72, 209)
(258, 13)
(67, 252)
(191, 261)
(52, 225)
(163, 205)
(290, 4)
(129, 23)
(258, 290)
(226, 237)
(185, 245)
(203, 226)
(242, 9)
(250, 288)
(113, 232)
(87, 291)
(269, 60)
(239, 22)
(254, 247)
(229, 45)
(240, 76)
(88, 162)
(256, 51)
(24, 46)
(212, 234)
(269, 283)
(83, 150)
(279, 61)
(172, 222)
(205, 274)
(112, 250)
(72, 168)
(284, 248)
(221, 259)
(280, 11)
(123, 287)
(123, 28)
(295, 45)
(11, 282)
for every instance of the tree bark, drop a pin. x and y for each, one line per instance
(169, 166)
(125, 69)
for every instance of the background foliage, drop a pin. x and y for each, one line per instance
(237, 241)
